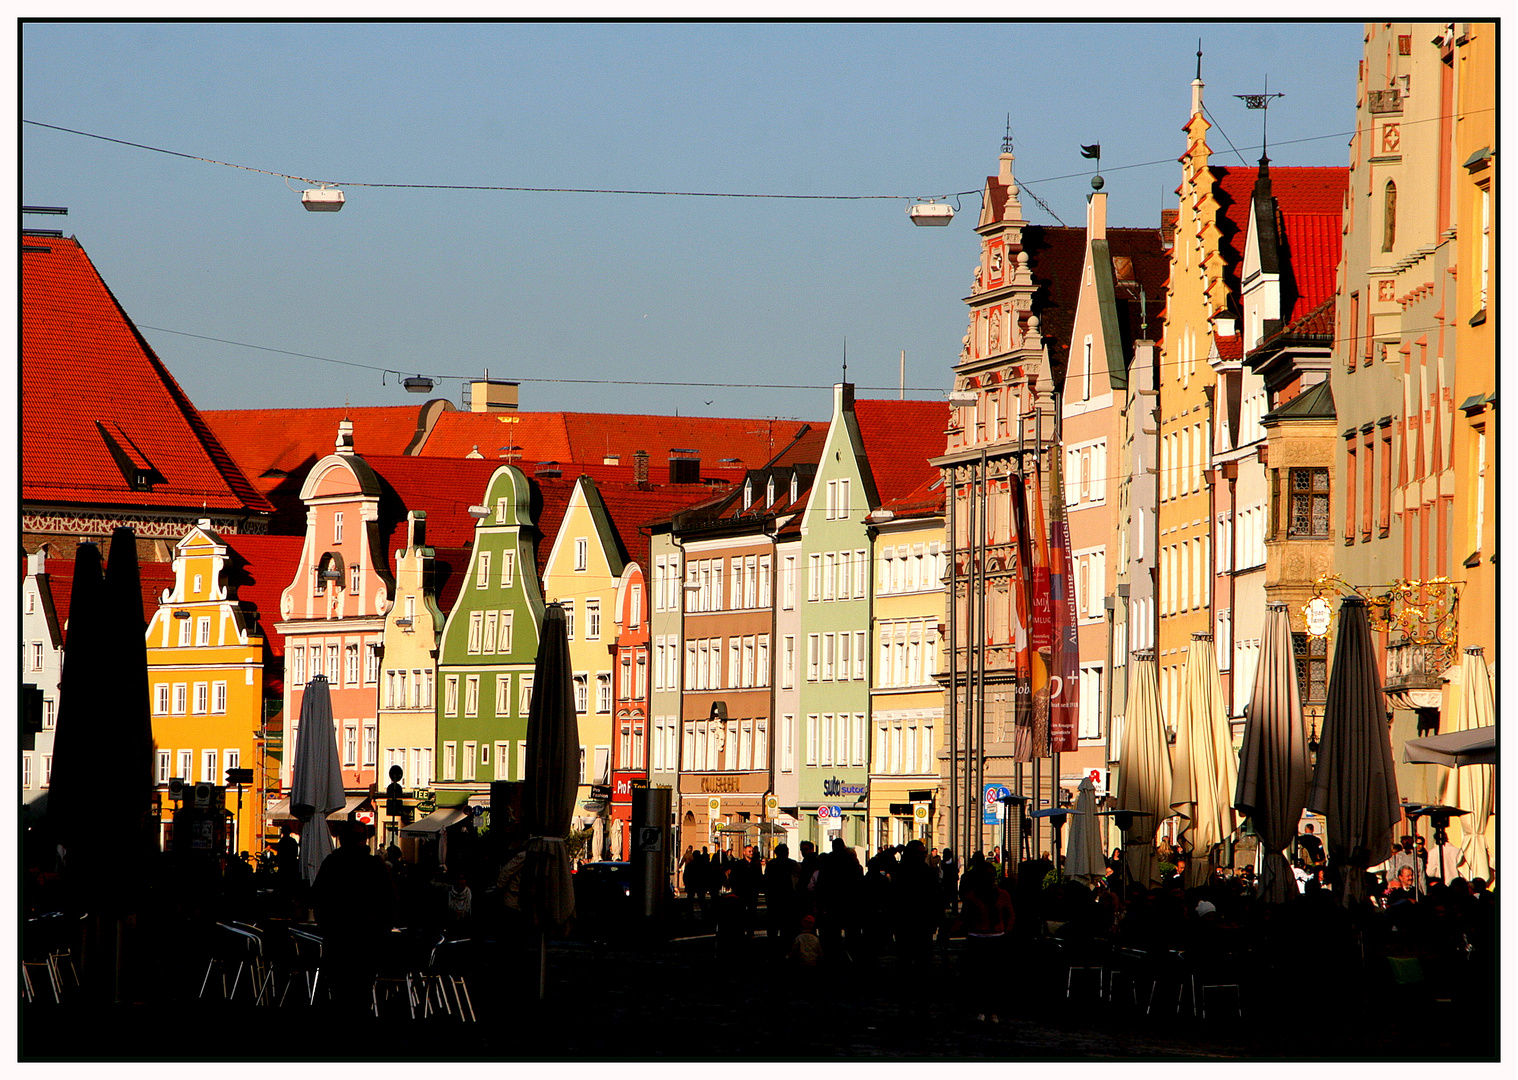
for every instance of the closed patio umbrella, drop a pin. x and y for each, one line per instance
(1273, 764)
(1083, 851)
(1144, 775)
(1354, 784)
(1205, 769)
(316, 782)
(548, 800)
(1470, 786)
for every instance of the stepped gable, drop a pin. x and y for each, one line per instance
(99, 408)
(899, 437)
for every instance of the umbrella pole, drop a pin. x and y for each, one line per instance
(542, 964)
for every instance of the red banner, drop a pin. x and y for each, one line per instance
(1022, 716)
(1064, 701)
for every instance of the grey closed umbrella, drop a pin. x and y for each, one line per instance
(1470, 786)
(553, 777)
(316, 782)
(1273, 765)
(1083, 851)
(1144, 776)
(1206, 770)
(1354, 784)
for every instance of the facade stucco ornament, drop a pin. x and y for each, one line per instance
(995, 331)
(975, 285)
(286, 606)
(964, 349)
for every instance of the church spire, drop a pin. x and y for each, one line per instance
(1196, 83)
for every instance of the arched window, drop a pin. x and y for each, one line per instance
(1389, 235)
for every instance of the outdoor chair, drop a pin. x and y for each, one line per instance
(403, 966)
(450, 962)
(47, 948)
(1085, 957)
(236, 949)
(1170, 969)
(305, 962)
(1129, 965)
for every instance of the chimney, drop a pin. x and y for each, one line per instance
(493, 395)
(1168, 221)
(684, 466)
(344, 436)
(640, 467)
(416, 529)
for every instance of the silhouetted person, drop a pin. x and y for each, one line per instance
(355, 908)
(780, 896)
(918, 904)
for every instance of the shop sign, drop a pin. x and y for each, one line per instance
(834, 788)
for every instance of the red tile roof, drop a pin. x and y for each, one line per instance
(1056, 256)
(899, 437)
(263, 570)
(925, 500)
(589, 438)
(97, 400)
(630, 509)
(1310, 203)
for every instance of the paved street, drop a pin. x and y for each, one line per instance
(686, 1001)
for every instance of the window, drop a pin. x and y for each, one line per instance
(828, 646)
(219, 697)
(350, 745)
(487, 643)
(482, 571)
(582, 553)
(635, 608)
(1312, 667)
(502, 760)
(569, 618)
(450, 760)
(161, 776)
(788, 663)
(202, 698)
(371, 744)
(1350, 462)
(208, 774)
(829, 567)
(762, 661)
(298, 665)
(472, 695)
(350, 672)
(814, 577)
(355, 579)
(203, 630)
(1309, 503)
(1389, 216)
(508, 567)
(502, 700)
(524, 695)
(1384, 514)
(859, 568)
(332, 664)
(337, 527)
(603, 692)
(592, 620)
(734, 662)
(789, 597)
(787, 743)
(500, 511)
(582, 692)
(1486, 244)
(1086, 370)
(469, 749)
(766, 582)
(1480, 535)
(160, 699)
(451, 695)
(813, 658)
(1090, 708)
(640, 686)
(812, 737)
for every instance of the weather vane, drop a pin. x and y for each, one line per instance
(1006, 140)
(1261, 102)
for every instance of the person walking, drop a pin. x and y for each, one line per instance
(780, 897)
(918, 906)
(355, 906)
(987, 918)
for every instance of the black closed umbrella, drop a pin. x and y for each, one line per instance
(1354, 785)
(1273, 765)
(553, 777)
(100, 795)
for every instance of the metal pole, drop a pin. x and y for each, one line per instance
(951, 495)
(980, 642)
(971, 803)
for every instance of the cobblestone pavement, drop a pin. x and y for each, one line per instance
(692, 999)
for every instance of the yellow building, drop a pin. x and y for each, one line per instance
(1200, 325)
(906, 700)
(1473, 58)
(205, 681)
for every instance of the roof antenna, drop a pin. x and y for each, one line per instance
(1261, 102)
(845, 359)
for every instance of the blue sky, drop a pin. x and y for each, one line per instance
(615, 289)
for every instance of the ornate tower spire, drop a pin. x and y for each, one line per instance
(1196, 83)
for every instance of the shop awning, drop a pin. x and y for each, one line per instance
(353, 803)
(280, 811)
(435, 822)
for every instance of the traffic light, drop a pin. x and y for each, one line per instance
(394, 806)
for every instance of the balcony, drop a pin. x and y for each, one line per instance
(1413, 675)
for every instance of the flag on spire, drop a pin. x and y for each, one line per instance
(1092, 151)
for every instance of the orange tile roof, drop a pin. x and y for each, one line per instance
(925, 500)
(1310, 202)
(589, 438)
(899, 437)
(96, 400)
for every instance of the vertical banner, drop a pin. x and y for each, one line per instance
(1043, 615)
(1022, 715)
(1064, 700)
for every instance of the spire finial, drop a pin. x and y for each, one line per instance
(1006, 140)
(845, 359)
(1199, 59)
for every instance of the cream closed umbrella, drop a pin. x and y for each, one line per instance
(1083, 851)
(1144, 775)
(1205, 768)
(1273, 764)
(1470, 786)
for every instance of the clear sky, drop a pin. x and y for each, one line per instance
(618, 289)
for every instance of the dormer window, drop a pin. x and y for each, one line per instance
(748, 493)
(795, 488)
(769, 492)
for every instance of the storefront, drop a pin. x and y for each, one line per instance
(710, 801)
